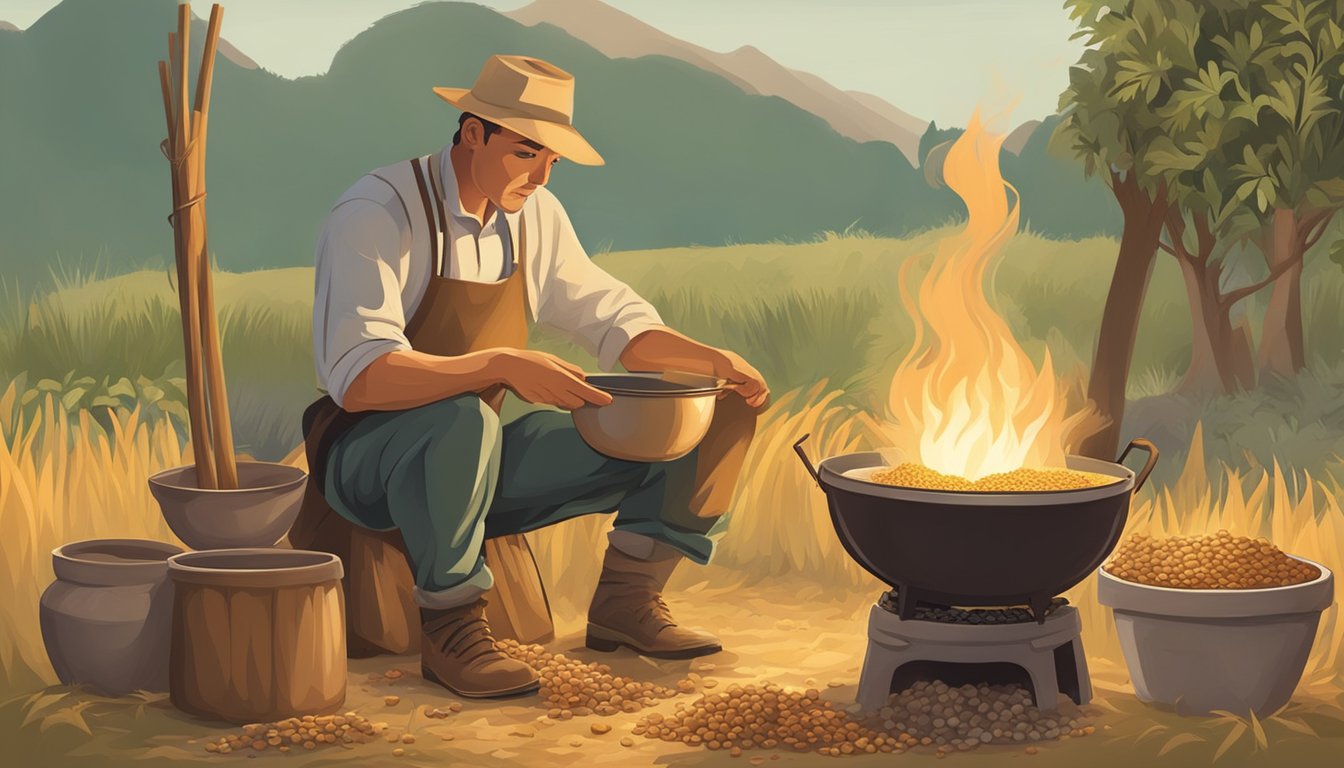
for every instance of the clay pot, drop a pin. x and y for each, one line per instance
(1203, 650)
(106, 620)
(256, 514)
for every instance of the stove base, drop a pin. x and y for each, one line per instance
(1046, 658)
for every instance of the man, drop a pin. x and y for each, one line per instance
(427, 275)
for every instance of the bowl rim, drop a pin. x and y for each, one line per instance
(70, 551)
(69, 565)
(1325, 575)
(327, 567)
(711, 385)
(159, 479)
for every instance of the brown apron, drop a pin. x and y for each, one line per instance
(454, 317)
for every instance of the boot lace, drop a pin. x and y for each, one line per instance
(657, 613)
(470, 640)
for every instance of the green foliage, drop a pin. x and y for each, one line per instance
(1110, 118)
(1297, 423)
(1250, 122)
(164, 398)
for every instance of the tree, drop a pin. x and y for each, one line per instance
(1109, 122)
(1206, 126)
(1294, 170)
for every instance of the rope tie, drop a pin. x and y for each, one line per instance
(176, 163)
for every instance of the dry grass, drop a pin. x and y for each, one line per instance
(65, 478)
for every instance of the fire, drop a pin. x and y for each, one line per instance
(967, 400)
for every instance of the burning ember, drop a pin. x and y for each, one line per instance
(967, 401)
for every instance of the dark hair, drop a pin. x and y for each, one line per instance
(462, 120)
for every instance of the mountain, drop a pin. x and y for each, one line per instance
(1015, 141)
(84, 181)
(230, 51)
(619, 35)
(1055, 197)
(884, 108)
(860, 116)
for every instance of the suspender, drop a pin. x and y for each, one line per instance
(436, 226)
(427, 181)
(436, 187)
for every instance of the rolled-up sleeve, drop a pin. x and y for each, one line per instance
(357, 306)
(601, 313)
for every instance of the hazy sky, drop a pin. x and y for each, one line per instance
(935, 59)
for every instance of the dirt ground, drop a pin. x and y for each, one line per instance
(793, 634)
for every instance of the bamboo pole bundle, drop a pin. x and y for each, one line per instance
(207, 397)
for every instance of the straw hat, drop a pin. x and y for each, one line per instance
(529, 96)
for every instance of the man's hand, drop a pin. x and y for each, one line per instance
(545, 379)
(742, 378)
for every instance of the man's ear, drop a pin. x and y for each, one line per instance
(472, 132)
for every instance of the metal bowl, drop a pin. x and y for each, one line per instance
(977, 549)
(651, 417)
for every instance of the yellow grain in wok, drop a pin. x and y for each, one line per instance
(910, 475)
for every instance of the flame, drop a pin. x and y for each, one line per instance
(966, 399)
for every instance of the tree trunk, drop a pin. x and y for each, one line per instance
(1220, 360)
(1144, 216)
(1282, 350)
(1203, 375)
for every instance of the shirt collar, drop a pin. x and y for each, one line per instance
(453, 203)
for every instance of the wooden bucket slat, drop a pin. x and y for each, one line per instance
(252, 669)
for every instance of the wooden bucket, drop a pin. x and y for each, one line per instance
(258, 634)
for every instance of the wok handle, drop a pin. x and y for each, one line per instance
(1148, 448)
(811, 470)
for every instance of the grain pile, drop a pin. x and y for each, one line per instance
(965, 717)
(1210, 561)
(1024, 480)
(575, 688)
(929, 714)
(307, 732)
(766, 717)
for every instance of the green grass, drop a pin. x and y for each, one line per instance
(799, 312)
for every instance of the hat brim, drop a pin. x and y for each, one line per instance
(557, 137)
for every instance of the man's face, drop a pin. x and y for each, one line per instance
(509, 167)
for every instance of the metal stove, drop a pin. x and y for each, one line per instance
(960, 646)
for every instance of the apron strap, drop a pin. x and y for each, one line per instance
(436, 186)
(434, 224)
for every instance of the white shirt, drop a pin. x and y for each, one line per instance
(368, 281)
(479, 252)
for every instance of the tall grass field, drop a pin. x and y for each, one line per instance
(91, 405)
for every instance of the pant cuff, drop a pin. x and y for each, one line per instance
(644, 547)
(466, 593)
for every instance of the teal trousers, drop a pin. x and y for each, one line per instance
(449, 475)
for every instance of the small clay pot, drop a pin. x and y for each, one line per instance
(107, 619)
(256, 514)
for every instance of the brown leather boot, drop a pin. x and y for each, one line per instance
(628, 609)
(458, 652)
